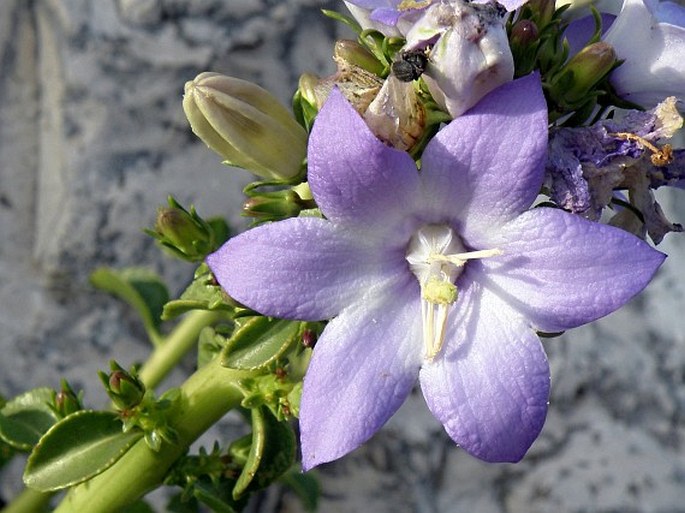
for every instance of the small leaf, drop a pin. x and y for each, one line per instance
(77, 448)
(202, 294)
(260, 341)
(140, 288)
(271, 454)
(24, 419)
(210, 343)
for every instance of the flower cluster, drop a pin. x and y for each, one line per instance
(419, 234)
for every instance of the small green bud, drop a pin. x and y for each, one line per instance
(351, 52)
(270, 207)
(185, 233)
(66, 401)
(307, 87)
(124, 388)
(178, 227)
(583, 71)
(275, 205)
(246, 125)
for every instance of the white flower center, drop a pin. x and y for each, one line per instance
(437, 257)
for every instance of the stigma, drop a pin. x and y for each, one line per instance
(437, 256)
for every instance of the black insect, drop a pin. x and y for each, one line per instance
(411, 65)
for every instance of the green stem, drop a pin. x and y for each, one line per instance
(205, 397)
(167, 354)
(163, 359)
(29, 501)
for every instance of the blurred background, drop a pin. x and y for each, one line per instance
(93, 139)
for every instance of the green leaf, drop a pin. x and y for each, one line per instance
(140, 288)
(76, 449)
(202, 294)
(271, 454)
(24, 419)
(210, 343)
(259, 341)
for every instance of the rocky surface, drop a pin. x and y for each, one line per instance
(93, 138)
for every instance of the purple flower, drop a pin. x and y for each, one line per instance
(442, 274)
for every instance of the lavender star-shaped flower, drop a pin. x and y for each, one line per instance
(442, 273)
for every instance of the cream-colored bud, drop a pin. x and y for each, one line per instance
(246, 125)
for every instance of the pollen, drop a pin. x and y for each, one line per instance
(437, 257)
(406, 5)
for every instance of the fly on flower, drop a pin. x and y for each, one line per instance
(411, 65)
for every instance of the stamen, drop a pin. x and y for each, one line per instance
(660, 156)
(460, 258)
(437, 257)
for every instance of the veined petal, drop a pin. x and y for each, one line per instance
(486, 166)
(364, 366)
(561, 271)
(355, 178)
(490, 388)
(301, 268)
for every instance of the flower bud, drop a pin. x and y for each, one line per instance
(470, 56)
(524, 36)
(272, 206)
(246, 125)
(524, 33)
(583, 72)
(124, 388)
(66, 401)
(351, 52)
(185, 233)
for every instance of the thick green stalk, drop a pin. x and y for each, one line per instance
(205, 397)
(29, 501)
(173, 347)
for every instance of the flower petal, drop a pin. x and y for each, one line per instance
(560, 270)
(580, 31)
(653, 51)
(355, 178)
(490, 388)
(364, 366)
(301, 268)
(487, 166)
